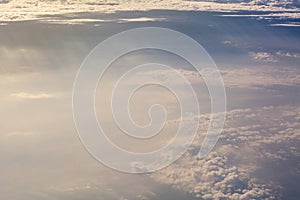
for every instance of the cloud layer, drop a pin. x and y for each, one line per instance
(248, 140)
(19, 10)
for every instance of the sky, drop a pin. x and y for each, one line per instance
(254, 44)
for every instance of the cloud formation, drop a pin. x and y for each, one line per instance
(250, 77)
(263, 57)
(288, 54)
(20, 10)
(246, 143)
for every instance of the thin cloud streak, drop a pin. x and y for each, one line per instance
(24, 95)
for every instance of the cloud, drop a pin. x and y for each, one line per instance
(18, 133)
(213, 178)
(24, 95)
(227, 42)
(73, 21)
(20, 10)
(263, 57)
(141, 19)
(258, 77)
(273, 15)
(287, 54)
(251, 137)
(288, 25)
(254, 77)
(267, 125)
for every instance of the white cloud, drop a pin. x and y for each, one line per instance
(263, 57)
(18, 133)
(24, 95)
(227, 42)
(141, 19)
(289, 25)
(93, 20)
(277, 15)
(73, 21)
(252, 77)
(213, 178)
(269, 125)
(228, 171)
(287, 54)
(19, 10)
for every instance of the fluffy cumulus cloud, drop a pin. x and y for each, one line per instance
(229, 171)
(18, 10)
(214, 178)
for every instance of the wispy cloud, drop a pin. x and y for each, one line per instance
(254, 77)
(18, 133)
(227, 42)
(286, 24)
(142, 19)
(24, 95)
